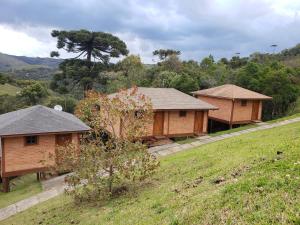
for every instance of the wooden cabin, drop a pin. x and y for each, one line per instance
(29, 136)
(175, 113)
(236, 105)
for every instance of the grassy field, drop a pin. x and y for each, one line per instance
(284, 118)
(186, 140)
(21, 188)
(243, 127)
(8, 89)
(250, 179)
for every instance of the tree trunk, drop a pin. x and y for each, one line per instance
(89, 56)
(88, 87)
(110, 181)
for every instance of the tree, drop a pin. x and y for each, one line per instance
(68, 103)
(237, 62)
(3, 79)
(207, 62)
(9, 103)
(33, 94)
(165, 53)
(172, 63)
(96, 46)
(126, 73)
(109, 158)
(164, 79)
(272, 79)
(184, 82)
(129, 65)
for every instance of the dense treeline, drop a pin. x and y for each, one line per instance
(259, 73)
(272, 78)
(276, 75)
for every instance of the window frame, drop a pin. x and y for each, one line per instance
(182, 113)
(36, 142)
(244, 102)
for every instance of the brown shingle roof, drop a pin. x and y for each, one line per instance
(171, 99)
(231, 91)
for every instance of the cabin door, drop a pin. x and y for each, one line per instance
(63, 139)
(198, 126)
(158, 125)
(255, 110)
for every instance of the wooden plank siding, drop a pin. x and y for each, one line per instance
(233, 111)
(194, 123)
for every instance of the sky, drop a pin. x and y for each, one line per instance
(195, 27)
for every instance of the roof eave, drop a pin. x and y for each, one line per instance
(44, 133)
(240, 98)
(188, 109)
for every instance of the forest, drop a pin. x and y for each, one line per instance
(276, 74)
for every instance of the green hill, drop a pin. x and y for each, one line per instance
(250, 179)
(28, 67)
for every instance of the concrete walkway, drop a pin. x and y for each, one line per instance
(55, 186)
(168, 149)
(29, 202)
(51, 188)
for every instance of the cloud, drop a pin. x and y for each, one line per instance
(21, 43)
(196, 27)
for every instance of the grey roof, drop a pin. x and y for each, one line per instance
(171, 99)
(39, 119)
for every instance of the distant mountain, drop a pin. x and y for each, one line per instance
(28, 67)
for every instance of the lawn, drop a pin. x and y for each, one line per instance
(8, 89)
(243, 127)
(21, 188)
(250, 179)
(187, 140)
(284, 118)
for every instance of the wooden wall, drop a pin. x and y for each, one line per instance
(174, 125)
(18, 157)
(224, 105)
(241, 114)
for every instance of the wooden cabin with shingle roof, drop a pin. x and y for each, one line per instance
(236, 105)
(28, 136)
(176, 114)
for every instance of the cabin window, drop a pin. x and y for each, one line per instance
(244, 103)
(31, 140)
(182, 113)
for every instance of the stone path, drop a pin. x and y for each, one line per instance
(175, 147)
(29, 202)
(55, 182)
(55, 186)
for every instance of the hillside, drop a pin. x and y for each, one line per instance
(28, 67)
(250, 179)
(9, 89)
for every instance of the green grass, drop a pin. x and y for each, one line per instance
(284, 118)
(243, 127)
(21, 188)
(186, 140)
(8, 89)
(260, 187)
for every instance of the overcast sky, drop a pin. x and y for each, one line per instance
(195, 27)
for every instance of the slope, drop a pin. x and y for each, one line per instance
(250, 179)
